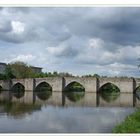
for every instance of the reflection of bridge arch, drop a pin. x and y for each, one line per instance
(109, 92)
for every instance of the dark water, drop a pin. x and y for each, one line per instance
(54, 113)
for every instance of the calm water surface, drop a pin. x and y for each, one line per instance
(54, 113)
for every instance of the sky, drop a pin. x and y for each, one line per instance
(101, 40)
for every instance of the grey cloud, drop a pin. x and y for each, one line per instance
(5, 26)
(118, 25)
(17, 10)
(63, 34)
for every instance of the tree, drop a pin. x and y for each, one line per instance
(2, 76)
(20, 70)
(96, 75)
(8, 72)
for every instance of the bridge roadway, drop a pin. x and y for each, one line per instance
(91, 85)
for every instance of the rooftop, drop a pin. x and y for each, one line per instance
(3, 63)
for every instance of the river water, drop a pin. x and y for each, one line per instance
(62, 113)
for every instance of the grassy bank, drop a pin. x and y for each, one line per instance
(130, 125)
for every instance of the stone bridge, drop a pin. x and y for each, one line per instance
(127, 88)
(60, 83)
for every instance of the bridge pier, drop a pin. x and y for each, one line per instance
(5, 84)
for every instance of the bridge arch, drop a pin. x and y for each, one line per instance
(137, 88)
(1, 88)
(108, 86)
(109, 92)
(18, 86)
(74, 86)
(116, 82)
(18, 90)
(43, 91)
(137, 92)
(74, 91)
(43, 85)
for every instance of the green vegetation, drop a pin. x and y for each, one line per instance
(19, 70)
(18, 110)
(17, 88)
(18, 95)
(76, 87)
(43, 91)
(44, 95)
(109, 92)
(109, 87)
(2, 76)
(43, 87)
(109, 97)
(137, 92)
(74, 96)
(90, 75)
(130, 125)
(74, 91)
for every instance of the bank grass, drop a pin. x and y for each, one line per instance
(131, 124)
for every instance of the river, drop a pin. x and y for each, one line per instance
(55, 113)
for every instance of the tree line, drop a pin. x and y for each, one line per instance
(21, 70)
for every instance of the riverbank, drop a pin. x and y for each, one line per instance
(130, 125)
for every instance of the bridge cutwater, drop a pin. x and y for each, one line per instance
(91, 84)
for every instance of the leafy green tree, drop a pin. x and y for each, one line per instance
(96, 75)
(21, 70)
(2, 76)
(8, 72)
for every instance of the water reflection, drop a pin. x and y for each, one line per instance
(109, 93)
(50, 119)
(22, 115)
(18, 95)
(70, 98)
(74, 96)
(110, 97)
(17, 110)
(44, 95)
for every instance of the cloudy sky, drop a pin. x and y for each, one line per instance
(80, 41)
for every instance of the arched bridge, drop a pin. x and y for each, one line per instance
(60, 83)
(90, 84)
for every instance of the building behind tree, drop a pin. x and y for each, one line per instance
(34, 69)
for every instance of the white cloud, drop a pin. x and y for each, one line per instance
(18, 27)
(24, 58)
